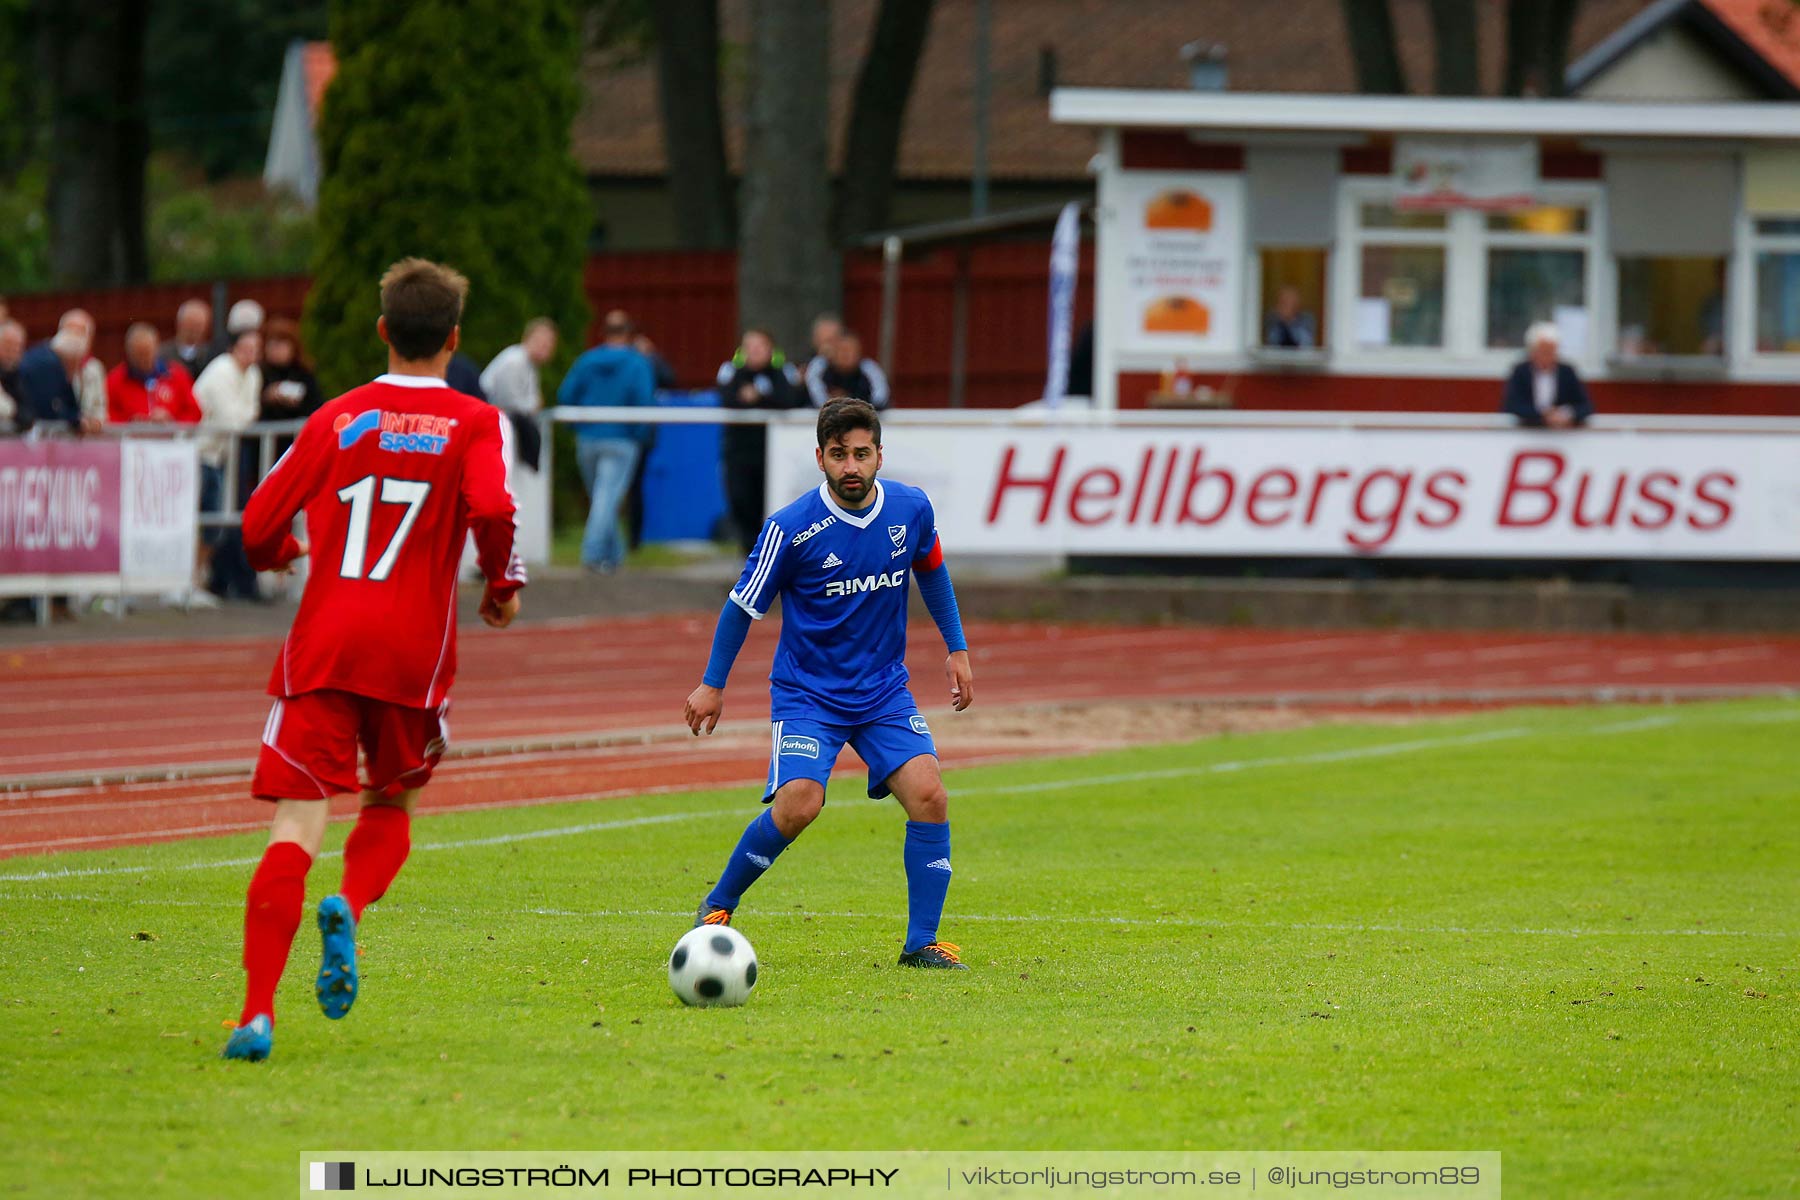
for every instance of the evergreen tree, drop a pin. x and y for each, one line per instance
(445, 134)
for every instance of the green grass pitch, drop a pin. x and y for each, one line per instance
(1570, 935)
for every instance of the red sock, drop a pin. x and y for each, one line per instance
(373, 854)
(271, 916)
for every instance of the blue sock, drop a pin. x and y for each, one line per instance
(755, 852)
(927, 880)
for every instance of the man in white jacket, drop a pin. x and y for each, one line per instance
(230, 394)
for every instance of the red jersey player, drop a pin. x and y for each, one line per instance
(390, 475)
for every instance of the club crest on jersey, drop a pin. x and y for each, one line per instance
(868, 583)
(804, 747)
(406, 433)
(810, 530)
(897, 535)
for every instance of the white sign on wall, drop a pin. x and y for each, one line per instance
(1446, 173)
(1180, 248)
(1412, 493)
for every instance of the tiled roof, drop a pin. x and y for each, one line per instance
(1297, 46)
(1771, 28)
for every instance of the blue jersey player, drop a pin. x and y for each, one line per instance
(839, 559)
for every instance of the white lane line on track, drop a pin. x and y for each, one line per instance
(1351, 754)
(1348, 755)
(463, 913)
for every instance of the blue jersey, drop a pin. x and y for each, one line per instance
(843, 579)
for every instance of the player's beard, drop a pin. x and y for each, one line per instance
(853, 499)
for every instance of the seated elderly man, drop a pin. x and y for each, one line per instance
(1543, 390)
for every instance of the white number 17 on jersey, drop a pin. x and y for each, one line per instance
(360, 496)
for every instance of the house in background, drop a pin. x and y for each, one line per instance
(1696, 50)
(1034, 46)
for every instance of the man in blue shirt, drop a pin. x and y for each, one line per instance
(611, 375)
(839, 558)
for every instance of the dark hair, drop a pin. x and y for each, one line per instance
(422, 303)
(844, 414)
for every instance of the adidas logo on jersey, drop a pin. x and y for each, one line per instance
(939, 864)
(868, 583)
(831, 560)
(758, 859)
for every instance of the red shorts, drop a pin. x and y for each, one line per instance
(310, 741)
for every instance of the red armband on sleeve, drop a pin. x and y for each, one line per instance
(933, 558)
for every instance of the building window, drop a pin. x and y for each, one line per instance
(1537, 271)
(1777, 249)
(1671, 306)
(1401, 272)
(1402, 299)
(1293, 298)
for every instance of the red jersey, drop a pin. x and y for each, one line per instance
(390, 475)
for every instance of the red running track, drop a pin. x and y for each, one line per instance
(77, 721)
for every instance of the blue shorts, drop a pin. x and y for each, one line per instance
(806, 749)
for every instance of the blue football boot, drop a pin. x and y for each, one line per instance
(336, 986)
(251, 1041)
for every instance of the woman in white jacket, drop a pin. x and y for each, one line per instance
(230, 394)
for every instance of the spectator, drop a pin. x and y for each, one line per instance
(634, 498)
(12, 350)
(514, 385)
(290, 391)
(827, 327)
(665, 374)
(1288, 327)
(246, 316)
(612, 374)
(90, 380)
(47, 381)
(463, 375)
(193, 329)
(230, 396)
(758, 377)
(1542, 390)
(843, 371)
(145, 388)
(511, 380)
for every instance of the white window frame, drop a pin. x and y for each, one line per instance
(1466, 241)
(1741, 290)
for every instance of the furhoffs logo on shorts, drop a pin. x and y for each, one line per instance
(804, 747)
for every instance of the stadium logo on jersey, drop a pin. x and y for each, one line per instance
(406, 433)
(920, 727)
(831, 560)
(897, 535)
(868, 583)
(805, 747)
(815, 527)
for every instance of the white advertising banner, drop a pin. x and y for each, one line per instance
(159, 503)
(1393, 493)
(1181, 247)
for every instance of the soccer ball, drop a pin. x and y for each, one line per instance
(712, 965)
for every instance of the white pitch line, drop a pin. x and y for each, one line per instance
(463, 912)
(1635, 726)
